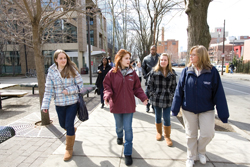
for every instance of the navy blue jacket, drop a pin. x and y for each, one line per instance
(200, 94)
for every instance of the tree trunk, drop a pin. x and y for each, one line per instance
(39, 61)
(198, 29)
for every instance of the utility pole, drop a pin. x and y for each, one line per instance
(223, 55)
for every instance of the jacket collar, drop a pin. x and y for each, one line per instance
(128, 72)
(160, 73)
(191, 70)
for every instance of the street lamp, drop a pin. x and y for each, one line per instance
(89, 44)
(89, 11)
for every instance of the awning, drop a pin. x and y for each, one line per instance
(98, 53)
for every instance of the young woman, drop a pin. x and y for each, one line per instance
(161, 87)
(102, 71)
(62, 81)
(199, 89)
(120, 85)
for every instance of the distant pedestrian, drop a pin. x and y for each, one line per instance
(103, 69)
(147, 64)
(231, 68)
(161, 88)
(110, 62)
(138, 70)
(199, 89)
(133, 63)
(63, 81)
(121, 84)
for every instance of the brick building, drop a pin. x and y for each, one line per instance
(169, 46)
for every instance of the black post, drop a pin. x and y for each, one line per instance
(223, 48)
(89, 48)
(26, 63)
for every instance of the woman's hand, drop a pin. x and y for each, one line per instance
(65, 92)
(45, 110)
(106, 102)
(99, 71)
(145, 102)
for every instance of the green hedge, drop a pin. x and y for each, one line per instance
(243, 67)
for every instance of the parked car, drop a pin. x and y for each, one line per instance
(174, 64)
(181, 64)
(219, 67)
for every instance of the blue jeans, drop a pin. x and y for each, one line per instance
(166, 115)
(66, 116)
(124, 121)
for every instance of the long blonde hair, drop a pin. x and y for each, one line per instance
(69, 69)
(169, 66)
(203, 58)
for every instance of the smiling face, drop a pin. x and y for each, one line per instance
(163, 61)
(194, 57)
(125, 61)
(61, 60)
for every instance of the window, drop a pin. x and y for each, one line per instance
(173, 43)
(11, 62)
(100, 41)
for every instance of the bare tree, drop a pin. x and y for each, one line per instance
(148, 20)
(198, 29)
(35, 17)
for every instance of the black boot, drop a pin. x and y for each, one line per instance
(128, 160)
(102, 105)
(148, 108)
(119, 141)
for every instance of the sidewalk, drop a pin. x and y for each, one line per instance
(96, 146)
(96, 141)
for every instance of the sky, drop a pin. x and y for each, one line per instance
(234, 12)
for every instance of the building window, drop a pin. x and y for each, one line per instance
(11, 62)
(100, 41)
(166, 43)
(173, 43)
(91, 21)
(61, 32)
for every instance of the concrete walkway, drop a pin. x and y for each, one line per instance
(96, 143)
(96, 146)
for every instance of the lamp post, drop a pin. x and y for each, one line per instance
(223, 49)
(89, 46)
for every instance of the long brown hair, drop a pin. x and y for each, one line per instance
(69, 69)
(118, 57)
(203, 58)
(169, 66)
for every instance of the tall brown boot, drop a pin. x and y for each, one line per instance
(70, 140)
(167, 131)
(159, 131)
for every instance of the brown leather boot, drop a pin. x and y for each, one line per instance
(167, 131)
(70, 140)
(159, 131)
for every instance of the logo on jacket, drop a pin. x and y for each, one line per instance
(207, 83)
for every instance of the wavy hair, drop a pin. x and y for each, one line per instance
(169, 66)
(118, 58)
(203, 57)
(70, 68)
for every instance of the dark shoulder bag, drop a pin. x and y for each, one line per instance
(82, 112)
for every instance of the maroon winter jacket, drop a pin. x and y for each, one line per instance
(119, 90)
